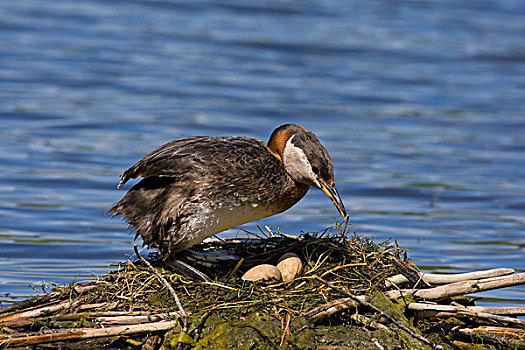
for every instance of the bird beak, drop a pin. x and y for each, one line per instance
(331, 192)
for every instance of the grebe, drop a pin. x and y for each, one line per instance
(195, 187)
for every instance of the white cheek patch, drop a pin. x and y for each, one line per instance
(297, 165)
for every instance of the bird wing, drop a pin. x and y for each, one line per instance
(187, 155)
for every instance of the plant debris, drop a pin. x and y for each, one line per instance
(347, 296)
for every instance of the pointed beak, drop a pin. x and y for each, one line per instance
(331, 193)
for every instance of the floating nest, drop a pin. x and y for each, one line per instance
(346, 297)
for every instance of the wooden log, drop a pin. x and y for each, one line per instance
(87, 333)
(451, 278)
(449, 310)
(460, 288)
(452, 310)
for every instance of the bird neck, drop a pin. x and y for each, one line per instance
(277, 143)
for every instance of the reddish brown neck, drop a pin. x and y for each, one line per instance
(280, 137)
(277, 143)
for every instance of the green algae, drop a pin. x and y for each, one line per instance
(383, 303)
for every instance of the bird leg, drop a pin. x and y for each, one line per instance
(186, 269)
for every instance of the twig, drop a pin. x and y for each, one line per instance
(376, 343)
(449, 310)
(68, 317)
(500, 330)
(346, 224)
(341, 267)
(463, 311)
(87, 333)
(232, 272)
(460, 288)
(136, 319)
(262, 232)
(168, 286)
(368, 322)
(451, 278)
(317, 314)
(40, 311)
(269, 230)
(286, 330)
(40, 300)
(410, 273)
(383, 313)
(23, 304)
(512, 337)
(220, 285)
(487, 316)
(286, 235)
(106, 306)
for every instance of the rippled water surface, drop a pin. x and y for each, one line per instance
(420, 105)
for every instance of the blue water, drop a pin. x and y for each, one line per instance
(420, 105)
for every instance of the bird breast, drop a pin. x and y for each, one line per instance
(225, 216)
(209, 218)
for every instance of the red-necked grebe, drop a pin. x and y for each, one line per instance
(195, 187)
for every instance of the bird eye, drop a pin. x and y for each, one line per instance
(315, 170)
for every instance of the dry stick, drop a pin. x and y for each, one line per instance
(106, 306)
(286, 330)
(23, 304)
(499, 330)
(462, 311)
(460, 288)
(33, 302)
(410, 273)
(383, 313)
(125, 319)
(487, 316)
(451, 278)
(43, 310)
(317, 314)
(68, 317)
(170, 288)
(87, 333)
(346, 223)
(366, 321)
(449, 310)
(85, 288)
(40, 305)
(513, 337)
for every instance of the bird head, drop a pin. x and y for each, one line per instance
(306, 160)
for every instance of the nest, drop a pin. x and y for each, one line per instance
(344, 281)
(356, 264)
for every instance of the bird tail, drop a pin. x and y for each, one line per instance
(143, 208)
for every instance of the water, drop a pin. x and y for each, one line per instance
(420, 105)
